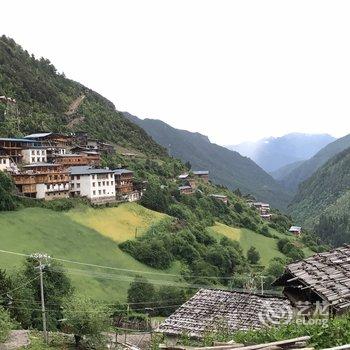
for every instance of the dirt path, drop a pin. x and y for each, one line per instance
(17, 339)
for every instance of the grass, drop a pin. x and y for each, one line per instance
(119, 223)
(40, 230)
(266, 246)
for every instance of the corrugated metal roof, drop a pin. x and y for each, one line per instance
(201, 172)
(122, 171)
(18, 140)
(88, 170)
(38, 135)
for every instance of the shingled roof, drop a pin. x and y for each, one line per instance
(210, 310)
(327, 275)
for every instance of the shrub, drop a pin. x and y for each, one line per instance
(5, 324)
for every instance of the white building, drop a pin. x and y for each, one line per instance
(4, 162)
(95, 184)
(34, 155)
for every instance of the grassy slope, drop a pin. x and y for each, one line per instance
(266, 246)
(34, 229)
(120, 223)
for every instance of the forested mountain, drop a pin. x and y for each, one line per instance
(275, 152)
(323, 201)
(292, 180)
(226, 167)
(280, 173)
(48, 101)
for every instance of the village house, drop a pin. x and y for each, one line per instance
(202, 175)
(322, 278)
(42, 181)
(84, 158)
(220, 197)
(124, 185)
(95, 184)
(51, 139)
(185, 190)
(33, 155)
(263, 209)
(211, 310)
(13, 147)
(295, 230)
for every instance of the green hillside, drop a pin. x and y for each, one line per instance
(40, 230)
(226, 167)
(266, 246)
(301, 173)
(322, 202)
(48, 101)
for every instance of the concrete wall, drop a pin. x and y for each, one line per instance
(35, 155)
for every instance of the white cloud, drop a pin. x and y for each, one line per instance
(233, 70)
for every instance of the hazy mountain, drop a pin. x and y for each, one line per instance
(323, 201)
(282, 172)
(275, 152)
(292, 180)
(226, 167)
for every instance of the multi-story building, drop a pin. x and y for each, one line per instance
(185, 190)
(34, 155)
(123, 181)
(95, 184)
(84, 158)
(263, 209)
(220, 197)
(52, 139)
(42, 181)
(13, 147)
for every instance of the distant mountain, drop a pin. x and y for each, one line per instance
(282, 172)
(226, 167)
(323, 201)
(275, 152)
(292, 180)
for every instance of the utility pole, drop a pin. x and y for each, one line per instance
(40, 257)
(43, 301)
(262, 284)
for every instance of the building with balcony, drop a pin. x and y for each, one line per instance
(13, 147)
(98, 185)
(124, 182)
(42, 181)
(4, 162)
(52, 139)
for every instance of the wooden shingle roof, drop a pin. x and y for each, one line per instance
(326, 274)
(209, 310)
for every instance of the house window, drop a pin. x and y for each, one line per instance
(72, 178)
(104, 183)
(104, 191)
(43, 159)
(38, 159)
(94, 193)
(99, 191)
(111, 183)
(37, 152)
(78, 185)
(99, 184)
(94, 184)
(33, 160)
(78, 177)
(107, 183)
(33, 152)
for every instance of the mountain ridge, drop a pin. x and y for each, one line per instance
(273, 153)
(227, 167)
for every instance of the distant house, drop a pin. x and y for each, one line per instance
(52, 139)
(263, 209)
(84, 158)
(202, 174)
(185, 190)
(220, 197)
(124, 185)
(42, 181)
(95, 184)
(296, 230)
(12, 147)
(210, 310)
(323, 277)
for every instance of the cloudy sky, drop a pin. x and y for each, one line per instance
(233, 70)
